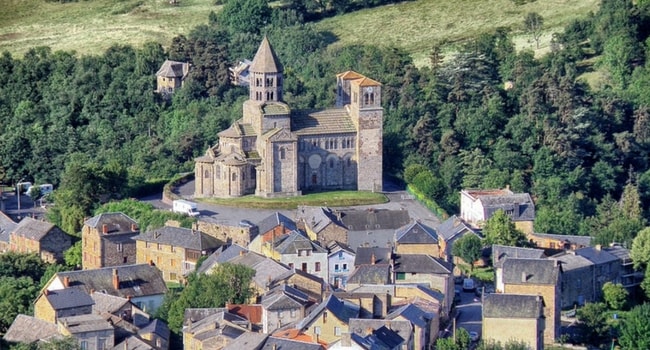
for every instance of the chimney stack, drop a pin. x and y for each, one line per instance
(134, 227)
(599, 247)
(116, 279)
(104, 228)
(66, 281)
(373, 259)
(523, 277)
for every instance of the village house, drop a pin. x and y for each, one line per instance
(501, 252)
(314, 287)
(29, 330)
(362, 327)
(322, 224)
(329, 320)
(283, 306)
(7, 225)
(253, 313)
(39, 237)
(340, 264)
(299, 252)
(91, 331)
(271, 228)
(373, 227)
(204, 328)
(143, 284)
(426, 270)
(416, 238)
(577, 280)
(171, 77)
(477, 206)
(107, 240)
(425, 325)
(381, 338)
(630, 277)
(241, 233)
(448, 232)
(275, 151)
(607, 267)
(558, 242)
(537, 277)
(174, 250)
(51, 305)
(514, 317)
(248, 341)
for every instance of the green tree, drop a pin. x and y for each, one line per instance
(72, 256)
(247, 16)
(593, 322)
(635, 328)
(615, 295)
(412, 171)
(640, 252)
(227, 283)
(499, 229)
(16, 296)
(534, 22)
(460, 341)
(468, 248)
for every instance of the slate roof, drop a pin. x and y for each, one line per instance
(274, 343)
(7, 225)
(296, 241)
(365, 254)
(452, 228)
(221, 255)
(180, 237)
(359, 326)
(375, 219)
(135, 280)
(265, 269)
(107, 303)
(117, 222)
(173, 69)
(584, 241)
(28, 329)
(265, 60)
(501, 252)
(317, 218)
(198, 319)
(520, 203)
(596, 256)
(156, 327)
(341, 309)
(33, 229)
(497, 305)
(284, 297)
(413, 314)
(370, 274)
(336, 246)
(571, 261)
(416, 233)
(321, 122)
(276, 219)
(380, 339)
(133, 343)
(85, 323)
(619, 252)
(421, 263)
(530, 271)
(248, 341)
(68, 298)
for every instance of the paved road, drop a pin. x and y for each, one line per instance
(398, 200)
(470, 312)
(9, 205)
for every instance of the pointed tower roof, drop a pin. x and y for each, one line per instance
(265, 59)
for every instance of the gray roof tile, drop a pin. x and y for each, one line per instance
(265, 60)
(117, 222)
(272, 221)
(320, 122)
(33, 229)
(135, 280)
(85, 323)
(416, 233)
(498, 305)
(530, 271)
(414, 314)
(273, 343)
(501, 252)
(296, 241)
(7, 225)
(596, 256)
(180, 237)
(453, 227)
(68, 298)
(341, 309)
(365, 255)
(421, 263)
(370, 274)
(28, 329)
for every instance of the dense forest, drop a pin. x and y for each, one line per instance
(484, 116)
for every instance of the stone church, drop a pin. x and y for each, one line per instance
(273, 151)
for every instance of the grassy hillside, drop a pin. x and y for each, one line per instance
(416, 25)
(92, 26)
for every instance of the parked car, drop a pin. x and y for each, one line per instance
(474, 336)
(468, 285)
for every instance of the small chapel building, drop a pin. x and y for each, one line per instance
(274, 151)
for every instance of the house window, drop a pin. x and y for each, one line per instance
(158, 260)
(317, 330)
(84, 345)
(101, 344)
(341, 255)
(317, 266)
(173, 249)
(336, 267)
(119, 247)
(345, 267)
(401, 276)
(299, 252)
(291, 266)
(280, 314)
(172, 276)
(293, 313)
(283, 154)
(124, 260)
(172, 262)
(304, 267)
(159, 246)
(308, 252)
(337, 331)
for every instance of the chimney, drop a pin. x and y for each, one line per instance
(373, 259)
(129, 297)
(369, 330)
(275, 346)
(151, 263)
(134, 227)
(46, 292)
(116, 279)
(346, 340)
(241, 253)
(599, 247)
(524, 277)
(92, 291)
(104, 228)
(66, 281)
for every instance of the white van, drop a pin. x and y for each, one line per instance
(45, 189)
(182, 206)
(22, 187)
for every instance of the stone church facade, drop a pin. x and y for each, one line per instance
(273, 151)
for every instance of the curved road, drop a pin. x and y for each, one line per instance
(398, 200)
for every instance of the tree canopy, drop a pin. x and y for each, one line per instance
(499, 229)
(468, 248)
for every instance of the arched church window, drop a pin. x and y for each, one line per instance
(217, 172)
(372, 98)
(366, 98)
(331, 163)
(234, 176)
(283, 154)
(206, 174)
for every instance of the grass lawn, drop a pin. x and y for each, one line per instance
(330, 199)
(90, 27)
